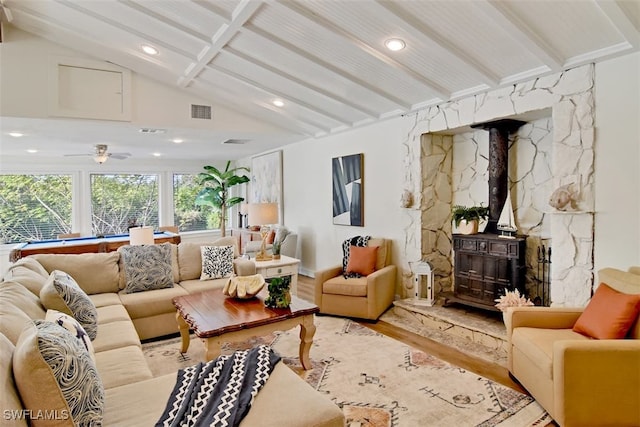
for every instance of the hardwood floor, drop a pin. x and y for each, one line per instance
(492, 371)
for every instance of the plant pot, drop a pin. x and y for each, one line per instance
(276, 256)
(468, 227)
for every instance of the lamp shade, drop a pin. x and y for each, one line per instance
(263, 213)
(141, 236)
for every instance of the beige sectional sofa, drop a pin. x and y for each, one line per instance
(133, 397)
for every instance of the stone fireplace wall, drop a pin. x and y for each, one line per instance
(562, 148)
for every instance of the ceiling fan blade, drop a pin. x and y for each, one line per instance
(78, 155)
(119, 156)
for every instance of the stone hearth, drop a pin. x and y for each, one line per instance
(468, 330)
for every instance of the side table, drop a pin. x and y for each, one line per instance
(285, 266)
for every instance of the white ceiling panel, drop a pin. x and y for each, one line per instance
(324, 58)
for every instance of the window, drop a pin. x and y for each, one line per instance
(188, 216)
(34, 207)
(119, 202)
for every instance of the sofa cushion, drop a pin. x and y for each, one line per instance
(13, 293)
(150, 303)
(54, 372)
(10, 400)
(116, 335)
(103, 300)
(62, 293)
(29, 279)
(73, 326)
(195, 286)
(83, 268)
(626, 282)
(120, 366)
(217, 262)
(339, 285)
(362, 260)
(112, 313)
(13, 321)
(537, 344)
(29, 263)
(146, 267)
(609, 314)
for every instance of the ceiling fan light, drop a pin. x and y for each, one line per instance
(100, 158)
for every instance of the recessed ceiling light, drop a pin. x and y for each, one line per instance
(157, 154)
(32, 150)
(178, 140)
(149, 50)
(395, 44)
(16, 134)
(278, 102)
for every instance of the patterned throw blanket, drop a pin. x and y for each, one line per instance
(346, 249)
(219, 392)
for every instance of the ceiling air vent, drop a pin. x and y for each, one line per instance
(151, 130)
(201, 111)
(236, 141)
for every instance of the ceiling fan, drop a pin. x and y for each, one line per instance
(101, 155)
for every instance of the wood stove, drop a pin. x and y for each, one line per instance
(486, 264)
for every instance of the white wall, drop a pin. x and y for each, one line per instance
(617, 163)
(307, 177)
(308, 190)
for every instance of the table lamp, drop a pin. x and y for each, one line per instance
(141, 236)
(263, 214)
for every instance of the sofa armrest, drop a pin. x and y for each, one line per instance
(322, 276)
(244, 267)
(597, 380)
(381, 288)
(540, 317)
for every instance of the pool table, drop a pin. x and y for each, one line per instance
(80, 245)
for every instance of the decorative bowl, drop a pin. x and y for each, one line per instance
(244, 287)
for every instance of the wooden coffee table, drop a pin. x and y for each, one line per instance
(215, 319)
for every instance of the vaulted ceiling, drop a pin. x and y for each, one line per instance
(326, 60)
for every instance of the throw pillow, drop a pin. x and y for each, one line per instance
(362, 260)
(271, 237)
(609, 314)
(62, 293)
(217, 262)
(281, 233)
(55, 374)
(346, 247)
(146, 267)
(73, 326)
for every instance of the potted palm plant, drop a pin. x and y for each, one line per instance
(215, 193)
(467, 219)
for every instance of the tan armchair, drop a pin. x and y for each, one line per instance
(364, 297)
(578, 380)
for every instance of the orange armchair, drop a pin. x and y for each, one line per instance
(578, 380)
(364, 297)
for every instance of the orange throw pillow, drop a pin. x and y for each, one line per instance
(609, 314)
(362, 259)
(271, 237)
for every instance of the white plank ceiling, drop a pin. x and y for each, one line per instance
(326, 59)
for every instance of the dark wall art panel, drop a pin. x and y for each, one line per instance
(348, 190)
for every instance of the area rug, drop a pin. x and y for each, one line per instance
(378, 381)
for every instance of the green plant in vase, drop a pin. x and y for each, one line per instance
(279, 295)
(275, 249)
(467, 218)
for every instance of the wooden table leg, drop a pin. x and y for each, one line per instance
(212, 348)
(307, 331)
(184, 332)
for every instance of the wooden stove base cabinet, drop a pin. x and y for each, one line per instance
(485, 266)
